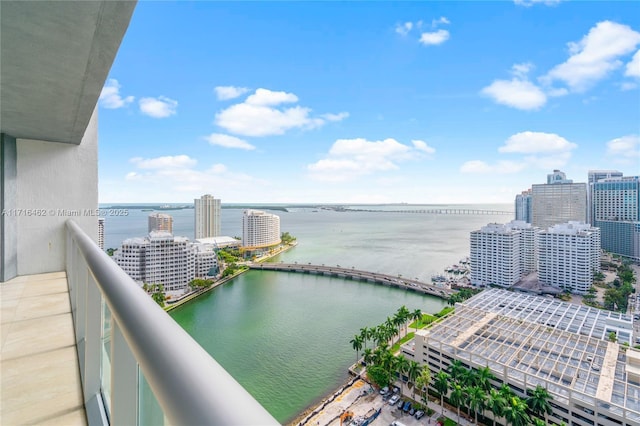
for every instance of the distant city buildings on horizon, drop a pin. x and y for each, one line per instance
(207, 217)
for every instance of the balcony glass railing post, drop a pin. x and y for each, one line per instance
(122, 334)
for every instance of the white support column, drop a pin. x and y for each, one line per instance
(124, 380)
(91, 382)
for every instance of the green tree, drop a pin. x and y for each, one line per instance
(378, 375)
(403, 315)
(364, 335)
(441, 384)
(157, 294)
(496, 402)
(477, 398)
(413, 371)
(613, 337)
(483, 378)
(416, 316)
(111, 251)
(367, 356)
(356, 344)
(538, 402)
(515, 412)
(402, 366)
(457, 397)
(422, 383)
(457, 370)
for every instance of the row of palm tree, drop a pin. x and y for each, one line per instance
(472, 389)
(462, 295)
(385, 332)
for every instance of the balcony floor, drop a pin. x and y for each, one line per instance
(38, 359)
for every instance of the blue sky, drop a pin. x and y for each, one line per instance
(368, 102)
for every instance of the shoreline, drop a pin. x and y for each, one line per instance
(194, 295)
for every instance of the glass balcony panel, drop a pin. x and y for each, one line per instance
(105, 357)
(149, 409)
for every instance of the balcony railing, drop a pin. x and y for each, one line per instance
(123, 337)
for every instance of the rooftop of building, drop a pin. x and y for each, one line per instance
(220, 241)
(558, 345)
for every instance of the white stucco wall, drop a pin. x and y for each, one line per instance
(56, 181)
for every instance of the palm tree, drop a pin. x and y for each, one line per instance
(356, 344)
(368, 356)
(456, 370)
(496, 402)
(364, 335)
(442, 386)
(538, 402)
(477, 399)
(457, 397)
(416, 316)
(422, 382)
(515, 412)
(413, 371)
(403, 315)
(402, 365)
(506, 392)
(484, 377)
(538, 422)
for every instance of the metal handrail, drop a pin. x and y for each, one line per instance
(191, 387)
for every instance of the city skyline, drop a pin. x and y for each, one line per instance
(368, 102)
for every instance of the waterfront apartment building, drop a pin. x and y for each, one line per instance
(101, 232)
(524, 206)
(616, 211)
(558, 201)
(207, 217)
(528, 340)
(593, 177)
(260, 229)
(569, 256)
(160, 222)
(164, 259)
(501, 254)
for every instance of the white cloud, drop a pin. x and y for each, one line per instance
(595, 56)
(536, 142)
(166, 162)
(132, 176)
(263, 97)
(625, 149)
(516, 93)
(628, 85)
(633, 67)
(160, 107)
(423, 146)
(261, 115)
(350, 158)
(528, 3)
(440, 21)
(110, 95)
(434, 38)
(228, 141)
(335, 117)
(521, 71)
(224, 93)
(501, 167)
(403, 29)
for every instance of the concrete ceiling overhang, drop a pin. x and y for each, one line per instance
(54, 59)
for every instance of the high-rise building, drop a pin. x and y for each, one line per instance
(101, 232)
(164, 259)
(524, 206)
(595, 176)
(207, 217)
(558, 201)
(569, 256)
(160, 222)
(502, 254)
(616, 211)
(260, 229)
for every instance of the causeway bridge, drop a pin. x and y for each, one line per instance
(439, 211)
(355, 274)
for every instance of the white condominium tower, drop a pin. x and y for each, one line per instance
(569, 256)
(260, 229)
(558, 201)
(595, 176)
(164, 259)
(160, 222)
(207, 217)
(502, 254)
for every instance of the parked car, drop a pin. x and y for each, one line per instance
(412, 411)
(384, 390)
(397, 423)
(407, 406)
(394, 399)
(400, 404)
(419, 414)
(396, 389)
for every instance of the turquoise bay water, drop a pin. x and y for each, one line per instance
(285, 337)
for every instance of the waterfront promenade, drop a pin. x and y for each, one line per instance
(356, 274)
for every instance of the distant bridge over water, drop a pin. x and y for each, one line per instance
(438, 211)
(350, 273)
